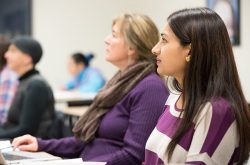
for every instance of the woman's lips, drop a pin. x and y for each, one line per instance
(158, 61)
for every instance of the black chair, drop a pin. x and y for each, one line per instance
(57, 127)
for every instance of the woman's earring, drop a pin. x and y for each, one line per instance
(188, 58)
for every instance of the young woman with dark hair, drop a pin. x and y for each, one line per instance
(84, 78)
(206, 120)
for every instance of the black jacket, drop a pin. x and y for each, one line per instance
(32, 110)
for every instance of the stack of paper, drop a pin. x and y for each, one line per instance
(5, 146)
(64, 162)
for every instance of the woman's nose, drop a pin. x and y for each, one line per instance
(106, 40)
(155, 50)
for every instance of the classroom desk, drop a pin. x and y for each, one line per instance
(73, 98)
(43, 158)
(73, 110)
(71, 103)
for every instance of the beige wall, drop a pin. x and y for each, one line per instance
(66, 26)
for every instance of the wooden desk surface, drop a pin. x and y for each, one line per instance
(74, 111)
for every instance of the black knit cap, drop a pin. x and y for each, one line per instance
(29, 46)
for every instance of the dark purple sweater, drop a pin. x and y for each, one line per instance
(123, 131)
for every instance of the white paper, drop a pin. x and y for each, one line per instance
(5, 146)
(77, 161)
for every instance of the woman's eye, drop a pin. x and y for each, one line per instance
(114, 35)
(164, 40)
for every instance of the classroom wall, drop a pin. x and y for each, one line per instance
(66, 26)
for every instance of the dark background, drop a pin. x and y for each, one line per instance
(15, 17)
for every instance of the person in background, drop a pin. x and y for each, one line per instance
(124, 112)
(206, 120)
(85, 79)
(32, 110)
(8, 82)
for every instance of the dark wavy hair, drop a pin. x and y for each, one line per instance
(80, 58)
(211, 72)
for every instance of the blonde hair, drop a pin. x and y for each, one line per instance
(139, 32)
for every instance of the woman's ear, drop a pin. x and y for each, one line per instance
(131, 52)
(189, 48)
(188, 55)
(80, 66)
(28, 59)
(131, 55)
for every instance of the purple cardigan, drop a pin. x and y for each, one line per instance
(123, 131)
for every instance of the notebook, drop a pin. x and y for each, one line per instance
(12, 157)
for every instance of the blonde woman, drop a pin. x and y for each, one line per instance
(125, 111)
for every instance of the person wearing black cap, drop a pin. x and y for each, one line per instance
(32, 110)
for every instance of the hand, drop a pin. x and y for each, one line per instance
(25, 143)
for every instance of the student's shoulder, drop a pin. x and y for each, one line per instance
(93, 71)
(220, 104)
(152, 83)
(152, 80)
(218, 108)
(37, 81)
